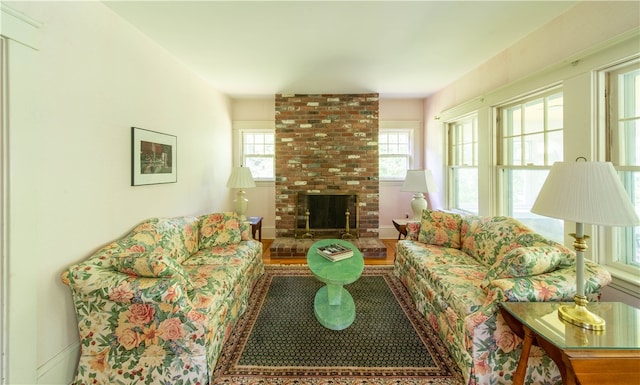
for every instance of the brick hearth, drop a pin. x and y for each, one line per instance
(297, 248)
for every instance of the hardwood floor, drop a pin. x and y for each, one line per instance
(266, 255)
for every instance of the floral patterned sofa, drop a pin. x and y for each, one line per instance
(458, 269)
(156, 306)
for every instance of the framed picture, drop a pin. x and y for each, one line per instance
(153, 157)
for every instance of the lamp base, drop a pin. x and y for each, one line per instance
(241, 204)
(579, 315)
(418, 203)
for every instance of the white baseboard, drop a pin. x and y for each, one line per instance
(61, 368)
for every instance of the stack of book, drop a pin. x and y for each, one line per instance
(335, 252)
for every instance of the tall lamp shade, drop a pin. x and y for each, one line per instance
(419, 182)
(591, 193)
(241, 179)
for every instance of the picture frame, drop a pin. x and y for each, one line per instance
(154, 157)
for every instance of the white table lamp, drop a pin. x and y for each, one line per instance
(419, 182)
(241, 178)
(591, 193)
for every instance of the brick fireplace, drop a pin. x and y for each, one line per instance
(326, 144)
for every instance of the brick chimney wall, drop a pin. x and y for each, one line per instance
(327, 144)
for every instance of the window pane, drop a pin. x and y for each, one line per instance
(261, 167)
(555, 112)
(543, 123)
(394, 149)
(627, 240)
(534, 116)
(513, 121)
(393, 167)
(258, 153)
(630, 143)
(467, 154)
(534, 149)
(463, 151)
(514, 151)
(555, 147)
(629, 94)
(522, 192)
(466, 191)
(623, 139)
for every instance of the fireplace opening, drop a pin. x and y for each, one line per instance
(326, 215)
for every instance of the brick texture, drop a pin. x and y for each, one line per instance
(327, 144)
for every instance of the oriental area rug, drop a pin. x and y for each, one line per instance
(279, 341)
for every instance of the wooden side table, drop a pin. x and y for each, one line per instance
(401, 226)
(256, 227)
(583, 356)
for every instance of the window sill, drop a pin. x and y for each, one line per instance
(624, 281)
(265, 182)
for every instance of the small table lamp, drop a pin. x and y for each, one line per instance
(241, 178)
(419, 182)
(584, 192)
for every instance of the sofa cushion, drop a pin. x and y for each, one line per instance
(458, 287)
(230, 254)
(149, 265)
(440, 228)
(423, 256)
(219, 229)
(525, 262)
(488, 239)
(173, 237)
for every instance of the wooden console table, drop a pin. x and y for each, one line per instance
(583, 356)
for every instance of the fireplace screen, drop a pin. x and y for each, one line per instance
(326, 215)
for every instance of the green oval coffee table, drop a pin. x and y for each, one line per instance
(333, 305)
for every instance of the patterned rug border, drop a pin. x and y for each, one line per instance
(448, 374)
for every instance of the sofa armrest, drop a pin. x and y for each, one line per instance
(88, 279)
(558, 285)
(124, 315)
(245, 231)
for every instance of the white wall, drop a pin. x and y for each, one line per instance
(72, 104)
(247, 113)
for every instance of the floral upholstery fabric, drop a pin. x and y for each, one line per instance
(413, 230)
(450, 287)
(525, 261)
(219, 229)
(488, 239)
(440, 228)
(146, 321)
(176, 237)
(150, 265)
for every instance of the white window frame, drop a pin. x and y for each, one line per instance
(242, 127)
(453, 164)
(503, 166)
(410, 127)
(605, 237)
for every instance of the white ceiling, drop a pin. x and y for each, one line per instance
(395, 48)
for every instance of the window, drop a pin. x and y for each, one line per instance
(622, 102)
(463, 164)
(394, 149)
(530, 141)
(258, 153)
